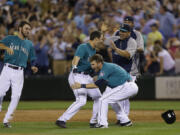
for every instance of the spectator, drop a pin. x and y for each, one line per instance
(154, 35)
(42, 56)
(59, 57)
(152, 65)
(167, 64)
(173, 46)
(167, 22)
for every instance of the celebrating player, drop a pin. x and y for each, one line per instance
(81, 73)
(120, 87)
(17, 52)
(131, 64)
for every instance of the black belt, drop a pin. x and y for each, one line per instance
(85, 73)
(14, 67)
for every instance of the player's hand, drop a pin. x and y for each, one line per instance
(95, 78)
(75, 70)
(113, 46)
(9, 51)
(76, 86)
(104, 27)
(34, 69)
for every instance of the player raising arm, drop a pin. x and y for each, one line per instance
(81, 73)
(17, 52)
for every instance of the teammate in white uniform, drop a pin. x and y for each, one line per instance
(17, 52)
(120, 87)
(81, 73)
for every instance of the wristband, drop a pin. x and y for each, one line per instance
(83, 85)
(74, 66)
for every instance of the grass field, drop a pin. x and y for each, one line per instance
(82, 128)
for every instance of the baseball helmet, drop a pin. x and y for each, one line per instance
(169, 116)
(129, 18)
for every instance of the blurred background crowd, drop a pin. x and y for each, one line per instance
(59, 26)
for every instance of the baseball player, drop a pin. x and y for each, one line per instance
(119, 87)
(81, 73)
(17, 52)
(134, 71)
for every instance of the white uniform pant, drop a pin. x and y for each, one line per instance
(125, 104)
(81, 97)
(15, 79)
(114, 95)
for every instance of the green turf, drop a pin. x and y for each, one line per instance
(81, 128)
(55, 105)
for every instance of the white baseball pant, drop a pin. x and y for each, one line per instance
(81, 97)
(15, 79)
(114, 95)
(125, 104)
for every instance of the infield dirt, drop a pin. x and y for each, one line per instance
(83, 115)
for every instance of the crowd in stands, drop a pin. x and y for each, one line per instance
(59, 26)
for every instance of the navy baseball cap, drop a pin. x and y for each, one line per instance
(125, 28)
(129, 18)
(154, 25)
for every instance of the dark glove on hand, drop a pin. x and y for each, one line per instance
(75, 70)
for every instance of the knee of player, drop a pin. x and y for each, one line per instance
(82, 102)
(16, 96)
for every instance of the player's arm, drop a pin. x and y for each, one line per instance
(99, 83)
(80, 52)
(75, 61)
(7, 49)
(104, 28)
(32, 57)
(123, 53)
(87, 86)
(161, 65)
(140, 42)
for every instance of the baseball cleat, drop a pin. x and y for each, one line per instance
(7, 125)
(92, 125)
(100, 126)
(127, 124)
(61, 124)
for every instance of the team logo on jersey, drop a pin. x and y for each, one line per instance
(101, 74)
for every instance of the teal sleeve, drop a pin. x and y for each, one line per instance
(103, 75)
(80, 52)
(32, 55)
(5, 41)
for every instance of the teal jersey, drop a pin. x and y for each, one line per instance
(113, 74)
(84, 51)
(23, 50)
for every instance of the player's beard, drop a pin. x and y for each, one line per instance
(24, 35)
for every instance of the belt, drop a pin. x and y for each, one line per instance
(14, 67)
(85, 73)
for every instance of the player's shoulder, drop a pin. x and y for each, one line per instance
(132, 40)
(135, 31)
(11, 36)
(82, 46)
(109, 65)
(29, 42)
(138, 33)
